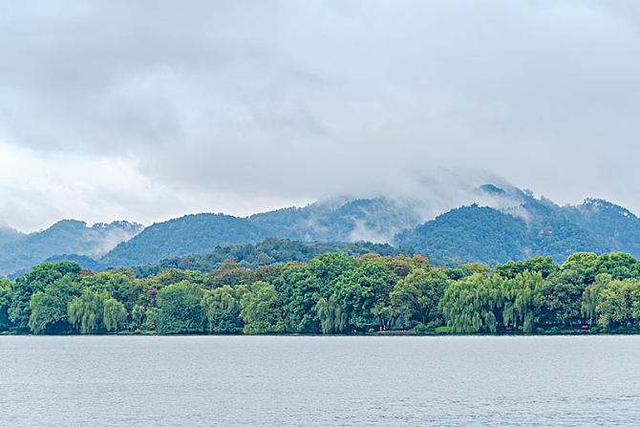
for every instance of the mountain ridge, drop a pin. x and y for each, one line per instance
(501, 223)
(24, 250)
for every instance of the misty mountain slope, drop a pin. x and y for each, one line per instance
(469, 233)
(505, 223)
(517, 226)
(376, 219)
(64, 237)
(9, 235)
(188, 235)
(611, 224)
(555, 234)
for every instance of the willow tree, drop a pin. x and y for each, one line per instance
(222, 309)
(328, 315)
(591, 297)
(34, 281)
(261, 310)
(5, 295)
(86, 311)
(114, 315)
(359, 299)
(519, 300)
(470, 305)
(619, 303)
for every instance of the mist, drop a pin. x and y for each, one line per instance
(115, 110)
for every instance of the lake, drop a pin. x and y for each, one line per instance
(208, 380)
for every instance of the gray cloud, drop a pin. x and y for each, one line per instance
(289, 101)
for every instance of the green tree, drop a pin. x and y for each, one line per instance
(519, 299)
(5, 300)
(617, 303)
(591, 297)
(138, 315)
(417, 296)
(470, 305)
(560, 299)
(114, 315)
(122, 286)
(583, 265)
(222, 308)
(619, 265)
(180, 310)
(358, 301)
(261, 310)
(540, 264)
(86, 312)
(34, 281)
(300, 290)
(49, 306)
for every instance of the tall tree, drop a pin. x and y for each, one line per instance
(261, 310)
(49, 306)
(417, 296)
(222, 308)
(35, 281)
(180, 310)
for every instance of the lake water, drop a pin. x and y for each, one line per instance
(324, 381)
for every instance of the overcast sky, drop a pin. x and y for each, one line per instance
(155, 109)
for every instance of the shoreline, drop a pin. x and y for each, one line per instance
(3, 335)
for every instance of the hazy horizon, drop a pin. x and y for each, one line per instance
(119, 111)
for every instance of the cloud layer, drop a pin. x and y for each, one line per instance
(146, 111)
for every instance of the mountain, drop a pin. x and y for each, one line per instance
(615, 226)
(22, 251)
(469, 233)
(188, 235)
(495, 223)
(339, 220)
(518, 226)
(83, 261)
(344, 220)
(8, 235)
(269, 251)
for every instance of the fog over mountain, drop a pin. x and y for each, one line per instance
(494, 224)
(19, 251)
(116, 110)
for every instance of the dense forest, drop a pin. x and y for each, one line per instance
(333, 293)
(505, 223)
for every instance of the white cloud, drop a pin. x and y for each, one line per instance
(205, 107)
(38, 189)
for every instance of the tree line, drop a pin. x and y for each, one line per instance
(332, 294)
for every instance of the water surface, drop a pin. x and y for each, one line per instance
(209, 380)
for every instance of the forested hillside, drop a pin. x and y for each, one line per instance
(615, 226)
(471, 233)
(376, 220)
(335, 221)
(332, 294)
(526, 228)
(504, 224)
(188, 235)
(268, 252)
(19, 251)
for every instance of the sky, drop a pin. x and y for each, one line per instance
(149, 110)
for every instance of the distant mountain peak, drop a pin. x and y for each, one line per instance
(595, 204)
(68, 236)
(492, 189)
(493, 222)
